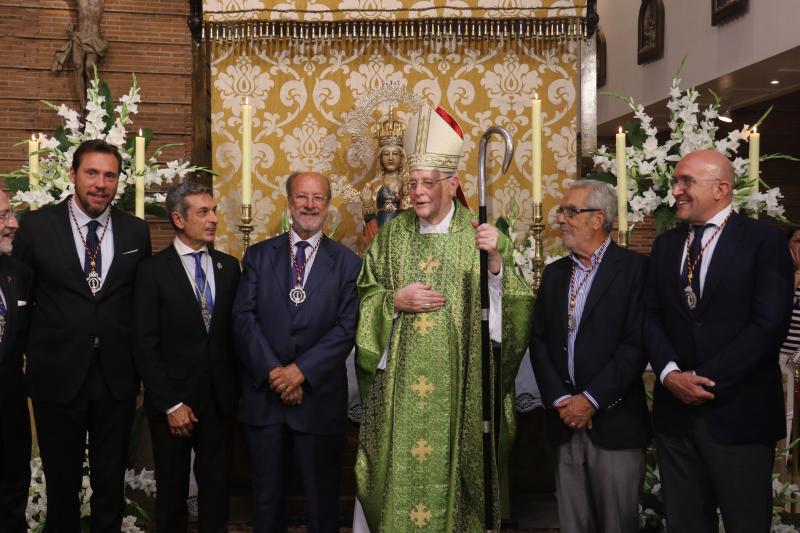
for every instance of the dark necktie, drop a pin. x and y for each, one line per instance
(694, 252)
(300, 261)
(200, 280)
(92, 244)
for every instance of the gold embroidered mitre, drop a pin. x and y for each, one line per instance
(433, 141)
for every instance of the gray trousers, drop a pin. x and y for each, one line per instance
(598, 489)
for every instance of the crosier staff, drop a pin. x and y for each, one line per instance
(487, 360)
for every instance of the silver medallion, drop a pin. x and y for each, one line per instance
(2, 326)
(94, 281)
(206, 318)
(691, 297)
(297, 295)
(570, 322)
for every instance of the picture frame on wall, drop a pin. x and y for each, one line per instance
(723, 11)
(650, 42)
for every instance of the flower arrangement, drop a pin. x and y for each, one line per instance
(104, 121)
(36, 512)
(650, 164)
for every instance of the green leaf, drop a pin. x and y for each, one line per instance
(17, 183)
(335, 229)
(61, 135)
(502, 225)
(664, 219)
(155, 209)
(605, 177)
(636, 135)
(108, 104)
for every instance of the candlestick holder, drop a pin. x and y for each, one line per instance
(246, 228)
(537, 228)
(622, 238)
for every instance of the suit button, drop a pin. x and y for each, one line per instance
(564, 348)
(698, 324)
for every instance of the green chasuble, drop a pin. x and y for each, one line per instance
(419, 465)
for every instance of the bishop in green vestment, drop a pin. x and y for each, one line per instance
(420, 465)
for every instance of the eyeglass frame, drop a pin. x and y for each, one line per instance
(684, 182)
(570, 211)
(315, 198)
(7, 214)
(426, 184)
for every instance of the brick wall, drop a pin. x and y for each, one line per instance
(146, 37)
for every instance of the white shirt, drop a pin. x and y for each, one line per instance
(189, 265)
(495, 287)
(312, 241)
(79, 234)
(710, 239)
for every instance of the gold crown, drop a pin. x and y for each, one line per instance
(389, 130)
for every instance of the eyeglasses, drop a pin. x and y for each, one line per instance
(570, 211)
(7, 214)
(684, 182)
(303, 198)
(426, 183)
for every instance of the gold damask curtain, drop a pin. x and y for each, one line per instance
(301, 91)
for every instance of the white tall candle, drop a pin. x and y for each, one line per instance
(247, 136)
(536, 124)
(622, 183)
(139, 168)
(33, 165)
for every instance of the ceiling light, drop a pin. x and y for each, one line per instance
(725, 115)
(774, 82)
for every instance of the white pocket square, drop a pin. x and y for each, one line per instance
(130, 251)
(21, 303)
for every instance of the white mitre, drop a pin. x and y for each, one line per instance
(433, 141)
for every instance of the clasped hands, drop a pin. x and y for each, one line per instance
(287, 381)
(688, 387)
(421, 298)
(576, 411)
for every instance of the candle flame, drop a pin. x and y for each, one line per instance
(535, 96)
(33, 136)
(246, 100)
(140, 132)
(620, 129)
(755, 129)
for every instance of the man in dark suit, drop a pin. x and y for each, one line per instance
(718, 303)
(588, 358)
(15, 425)
(184, 351)
(82, 379)
(295, 316)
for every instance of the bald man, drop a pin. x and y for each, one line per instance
(294, 320)
(718, 302)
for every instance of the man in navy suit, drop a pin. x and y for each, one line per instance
(184, 351)
(588, 357)
(718, 303)
(295, 318)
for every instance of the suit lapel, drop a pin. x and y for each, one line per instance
(221, 278)
(118, 226)
(321, 267)
(185, 289)
(66, 239)
(606, 272)
(280, 266)
(723, 256)
(562, 293)
(675, 248)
